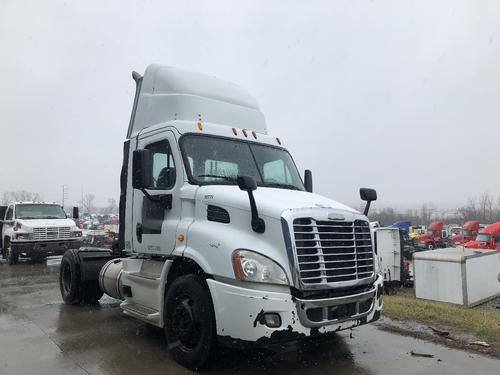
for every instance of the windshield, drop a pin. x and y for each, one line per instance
(39, 211)
(482, 237)
(467, 232)
(213, 160)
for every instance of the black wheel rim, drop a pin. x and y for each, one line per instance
(66, 277)
(185, 325)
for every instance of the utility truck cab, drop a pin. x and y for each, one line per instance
(36, 229)
(222, 240)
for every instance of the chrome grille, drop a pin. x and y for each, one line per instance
(51, 233)
(333, 251)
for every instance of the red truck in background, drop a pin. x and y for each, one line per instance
(469, 232)
(488, 238)
(433, 238)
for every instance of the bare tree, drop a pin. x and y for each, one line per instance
(19, 196)
(111, 208)
(87, 203)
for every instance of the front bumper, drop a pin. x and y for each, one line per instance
(239, 313)
(53, 247)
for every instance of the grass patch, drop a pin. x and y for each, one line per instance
(483, 323)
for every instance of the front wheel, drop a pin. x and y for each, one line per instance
(190, 322)
(12, 257)
(430, 246)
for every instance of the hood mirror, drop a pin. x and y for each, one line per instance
(308, 180)
(248, 184)
(368, 195)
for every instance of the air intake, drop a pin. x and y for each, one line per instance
(218, 214)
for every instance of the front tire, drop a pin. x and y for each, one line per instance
(12, 258)
(190, 322)
(430, 246)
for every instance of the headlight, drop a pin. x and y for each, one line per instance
(76, 233)
(24, 236)
(251, 266)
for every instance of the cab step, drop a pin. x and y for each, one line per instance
(141, 312)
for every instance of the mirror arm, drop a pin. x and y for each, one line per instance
(164, 199)
(367, 208)
(258, 224)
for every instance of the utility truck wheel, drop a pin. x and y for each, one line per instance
(190, 322)
(73, 289)
(430, 246)
(12, 258)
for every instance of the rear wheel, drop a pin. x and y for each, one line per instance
(190, 322)
(430, 246)
(73, 289)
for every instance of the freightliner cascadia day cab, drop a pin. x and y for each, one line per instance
(221, 241)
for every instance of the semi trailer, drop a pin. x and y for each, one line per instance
(221, 242)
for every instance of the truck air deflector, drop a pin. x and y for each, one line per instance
(166, 93)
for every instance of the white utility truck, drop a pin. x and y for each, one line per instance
(36, 229)
(221, 240)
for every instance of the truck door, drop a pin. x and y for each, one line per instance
(154, 224)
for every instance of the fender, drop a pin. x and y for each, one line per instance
(91, 261)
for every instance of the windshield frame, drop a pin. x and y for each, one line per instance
(194, 181)
(38, 218)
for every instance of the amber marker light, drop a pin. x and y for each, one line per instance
(278, 140)
(180, 237)
(235, 132)
(200, 125)
(254, 134)
(245, 133)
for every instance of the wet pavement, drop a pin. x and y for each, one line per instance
(39, 334)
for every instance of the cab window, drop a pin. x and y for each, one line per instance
(163, 167)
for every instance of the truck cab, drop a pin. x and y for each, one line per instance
(488, 238)
(223, 242)
(35, 230)
(468, 232)
(433, 238)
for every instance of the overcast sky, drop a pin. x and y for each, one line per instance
(402, 96)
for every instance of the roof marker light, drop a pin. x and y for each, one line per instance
(278, 140)
(235, 132)
(254, 134)
(200, 125)
(245, 133)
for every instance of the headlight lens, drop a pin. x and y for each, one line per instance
(251, 266)
(24, 236)
(76, 233)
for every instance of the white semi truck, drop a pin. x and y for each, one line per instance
(35, 230)
(221, 241)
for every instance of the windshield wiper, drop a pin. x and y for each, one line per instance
(227, 178)
(278, 185)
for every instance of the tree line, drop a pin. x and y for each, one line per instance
(484, 208)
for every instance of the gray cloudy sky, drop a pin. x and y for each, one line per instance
(403, 96)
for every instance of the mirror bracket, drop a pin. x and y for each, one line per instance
(165, 200)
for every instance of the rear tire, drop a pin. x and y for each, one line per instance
(430, 246)
(190, 322)
(73, 290)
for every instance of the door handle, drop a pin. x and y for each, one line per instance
(138, 232)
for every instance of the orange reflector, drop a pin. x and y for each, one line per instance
(254, 134)
(278, 140)
(235, 132)
(180, 237)
(245, 133)
(200, 125)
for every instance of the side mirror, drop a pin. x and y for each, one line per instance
(367, 195)
(247, 183)
(141, 169)
(308, 180)
(76, 213)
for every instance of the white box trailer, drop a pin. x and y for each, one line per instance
(457, 275)
(389, 253)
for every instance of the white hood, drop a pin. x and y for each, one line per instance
(44, 223)
(271, 202)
